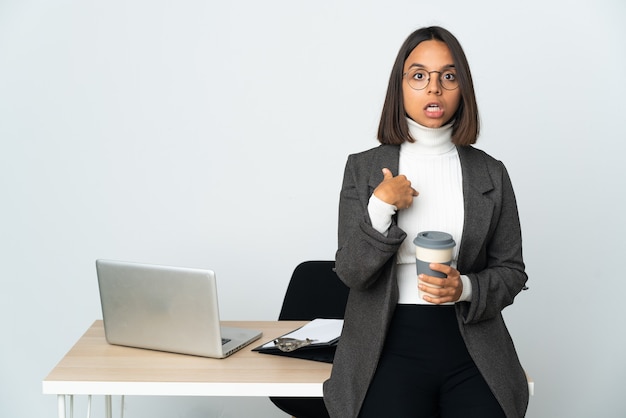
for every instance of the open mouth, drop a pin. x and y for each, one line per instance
(433, 110)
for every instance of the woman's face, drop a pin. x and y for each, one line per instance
(433, 106)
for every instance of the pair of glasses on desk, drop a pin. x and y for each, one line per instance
(290, 344)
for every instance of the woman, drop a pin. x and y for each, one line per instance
(447, 354)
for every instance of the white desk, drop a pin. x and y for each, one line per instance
(94, 367)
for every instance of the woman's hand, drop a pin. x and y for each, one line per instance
(451, 286)
(395, 191)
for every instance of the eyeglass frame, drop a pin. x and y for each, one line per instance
(428, 80)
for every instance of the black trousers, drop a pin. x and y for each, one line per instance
(425, 370)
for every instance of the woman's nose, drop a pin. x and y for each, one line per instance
(434, 85)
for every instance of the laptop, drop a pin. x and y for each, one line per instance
(165, 308)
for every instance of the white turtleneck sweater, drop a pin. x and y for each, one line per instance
(432, 165)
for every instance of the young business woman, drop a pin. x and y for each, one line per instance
(447, 354)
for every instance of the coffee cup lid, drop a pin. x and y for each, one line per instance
(434, 240)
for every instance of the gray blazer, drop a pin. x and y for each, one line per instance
(490, 255)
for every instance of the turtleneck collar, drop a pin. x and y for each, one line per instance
(428, 141)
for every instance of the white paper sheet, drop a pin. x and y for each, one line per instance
(320, 330)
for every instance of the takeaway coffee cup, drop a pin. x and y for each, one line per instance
(432, 247)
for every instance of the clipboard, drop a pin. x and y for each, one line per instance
(323, 334)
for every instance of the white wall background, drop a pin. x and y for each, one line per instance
(208, 134)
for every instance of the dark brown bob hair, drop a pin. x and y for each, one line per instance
(393, 127)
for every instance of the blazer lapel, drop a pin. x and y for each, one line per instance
(478, 207)
(388, 156)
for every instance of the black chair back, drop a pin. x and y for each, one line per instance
(314, 291)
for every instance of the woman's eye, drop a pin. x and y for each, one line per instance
(449, 76)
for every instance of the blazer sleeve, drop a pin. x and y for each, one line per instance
(362, 251)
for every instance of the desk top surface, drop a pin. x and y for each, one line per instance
(93, 366)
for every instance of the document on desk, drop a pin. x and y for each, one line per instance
(320, 331)
(317, 341)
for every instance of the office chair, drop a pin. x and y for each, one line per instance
(314, 291)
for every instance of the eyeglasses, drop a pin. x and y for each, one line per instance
(287, 345)
(418, 78)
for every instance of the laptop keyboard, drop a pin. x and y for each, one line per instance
(225, 340)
